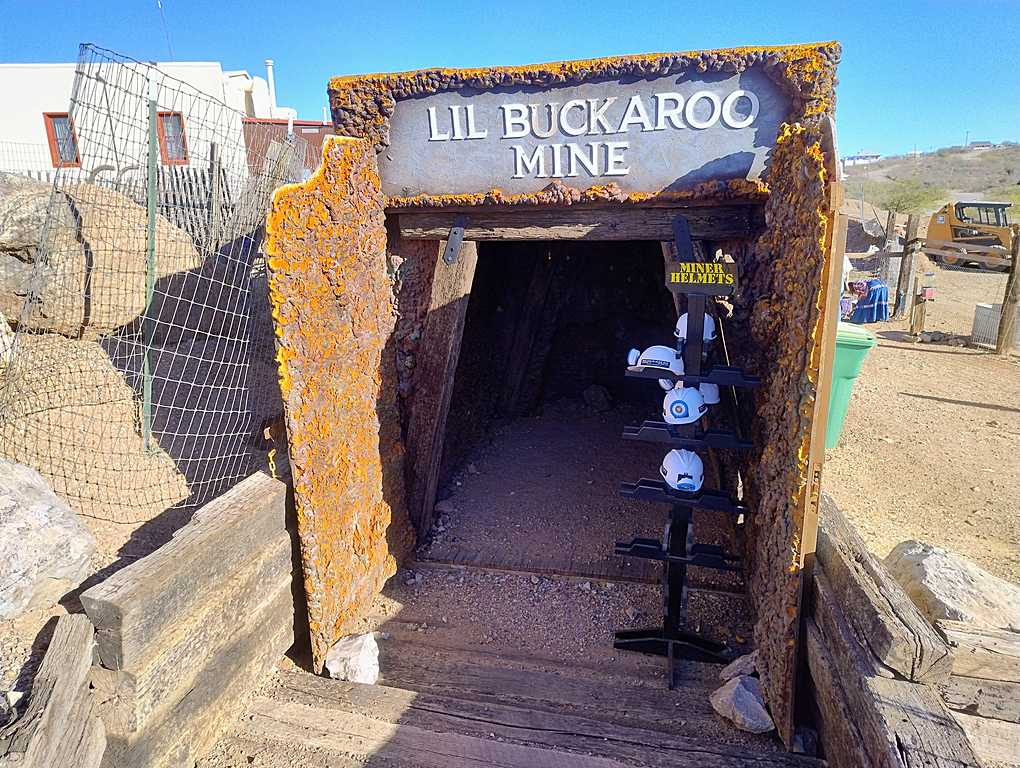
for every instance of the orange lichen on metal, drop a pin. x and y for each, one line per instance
(332, 306)
(788, 296)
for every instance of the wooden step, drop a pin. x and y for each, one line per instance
(401, 727)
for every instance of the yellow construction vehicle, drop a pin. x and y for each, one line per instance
(964, 233)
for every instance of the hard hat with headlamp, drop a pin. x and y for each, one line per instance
(683, 405)
(683, 471)
(708, 332)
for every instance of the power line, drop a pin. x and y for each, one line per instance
(166, 30)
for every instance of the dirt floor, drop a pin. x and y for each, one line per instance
(542, 494)
(932, 438)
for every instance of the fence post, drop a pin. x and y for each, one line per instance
(1006, 337)
(903, 283)
(890, 231)
(215, 197)
(150, 266)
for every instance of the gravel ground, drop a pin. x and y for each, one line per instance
(931, 442)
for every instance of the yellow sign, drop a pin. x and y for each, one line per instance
(716, 278)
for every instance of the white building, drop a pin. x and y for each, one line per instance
(38, 134)
(861, 158)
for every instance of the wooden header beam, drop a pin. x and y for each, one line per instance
(575, 223)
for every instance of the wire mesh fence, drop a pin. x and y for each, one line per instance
(137, 358)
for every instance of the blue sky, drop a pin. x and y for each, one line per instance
(914, 72)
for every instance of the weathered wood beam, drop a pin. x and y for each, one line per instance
(988, 654)
(996, 699)
(133, 696)
(882, 614)
(60, 726)
(901, 723)
(577, 223)
(996, 742)
(435, 368)
(838, 729)
(135, 608)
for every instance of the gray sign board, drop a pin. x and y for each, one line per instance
(644, 135)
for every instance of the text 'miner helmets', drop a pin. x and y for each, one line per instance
(683, 471)
(683, 405)
(708, 333)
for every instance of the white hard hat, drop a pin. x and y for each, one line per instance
(708, 390)
(683, 470)
(683, 405)
(658, 356)
(708, 333)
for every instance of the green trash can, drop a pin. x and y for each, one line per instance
(852, 345)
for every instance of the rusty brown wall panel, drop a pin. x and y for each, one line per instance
(334, 316)
(788, 293)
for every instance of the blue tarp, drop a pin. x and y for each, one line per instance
(874, 307)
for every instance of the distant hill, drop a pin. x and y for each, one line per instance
(946, 174)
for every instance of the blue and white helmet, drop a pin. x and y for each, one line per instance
(708, 332)
(658, 356)
(683, 471)
(683, 405)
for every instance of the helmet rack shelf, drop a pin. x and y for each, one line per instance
(677, 550)
(661, 432)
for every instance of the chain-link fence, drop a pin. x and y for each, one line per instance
(137, 363)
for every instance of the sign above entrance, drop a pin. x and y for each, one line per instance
(644, 135)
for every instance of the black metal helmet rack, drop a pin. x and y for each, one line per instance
(677, 550)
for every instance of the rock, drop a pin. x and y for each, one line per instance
(444, 507)
(472, 469)
(95, 244)
(742, 665)
(44, 548)
(354, 659)
(740, 701)
(69, 413)
(945, 585)
(598, 398)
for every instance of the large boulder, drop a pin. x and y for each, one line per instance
(68, 412)
(86, 268)
(945, 585)
(44, 548)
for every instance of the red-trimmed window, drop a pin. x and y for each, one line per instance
(173, 143)
(62, 140)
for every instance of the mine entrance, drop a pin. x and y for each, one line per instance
(533, 454)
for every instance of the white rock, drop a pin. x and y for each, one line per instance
(44, 547)
(740, 701)
(742, 665)
(945, 585)
(354, 659)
